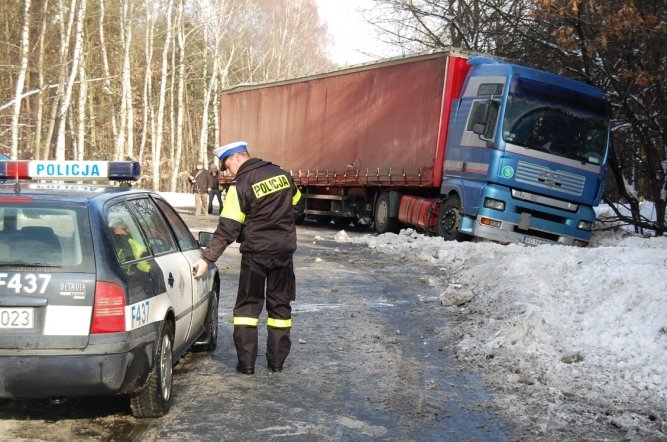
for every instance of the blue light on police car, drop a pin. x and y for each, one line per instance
(124, 170)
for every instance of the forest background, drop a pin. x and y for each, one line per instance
(110, 79)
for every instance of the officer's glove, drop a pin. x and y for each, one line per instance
(200, 268)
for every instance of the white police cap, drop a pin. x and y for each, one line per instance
(224, 152)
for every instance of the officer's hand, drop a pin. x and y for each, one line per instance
(200, 268)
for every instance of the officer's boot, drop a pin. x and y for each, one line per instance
(278, 345)
(245, 340)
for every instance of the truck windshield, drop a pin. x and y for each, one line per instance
(560, 121)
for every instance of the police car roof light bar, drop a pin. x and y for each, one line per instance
(70, 170)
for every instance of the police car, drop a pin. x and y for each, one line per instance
(97, 295)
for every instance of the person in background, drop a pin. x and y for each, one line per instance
(200, 187)
(215, 188)
(258, 212)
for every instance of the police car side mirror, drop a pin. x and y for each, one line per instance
(204, 238)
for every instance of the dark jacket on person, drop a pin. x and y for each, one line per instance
(199, 178)
(258, 212)
(214, 174)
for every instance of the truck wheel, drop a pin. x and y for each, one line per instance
(209, 339)
(383, 222)
(154, 399)
(449, 220)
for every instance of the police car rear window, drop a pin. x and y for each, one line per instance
(35, 235)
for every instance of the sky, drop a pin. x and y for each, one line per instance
(353, 37)
(588, 319)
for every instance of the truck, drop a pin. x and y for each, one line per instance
(448, 142)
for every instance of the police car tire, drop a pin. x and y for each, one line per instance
(154, 399)
(210, 335)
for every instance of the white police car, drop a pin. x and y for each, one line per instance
(97, 295)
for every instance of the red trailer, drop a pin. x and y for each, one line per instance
(360, 142)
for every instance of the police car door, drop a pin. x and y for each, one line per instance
(190, 249)
(175, 267)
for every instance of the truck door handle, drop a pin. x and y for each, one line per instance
(170, 280)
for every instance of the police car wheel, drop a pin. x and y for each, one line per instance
(154, 399)
(209, 339)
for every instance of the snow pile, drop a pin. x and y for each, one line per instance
(569, 318)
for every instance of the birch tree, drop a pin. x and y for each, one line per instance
(20, 81)
(157, 147)
(80, 144)
(41, 82)
(124, 145)
(180, 92)
(65, 28)
(65, 103)
(149, 114)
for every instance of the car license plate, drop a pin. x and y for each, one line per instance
(16, 317)
(534, 241)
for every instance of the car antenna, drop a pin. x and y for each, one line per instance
(17, 186)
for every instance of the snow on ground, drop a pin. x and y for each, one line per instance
(586, 318)
(591, 319)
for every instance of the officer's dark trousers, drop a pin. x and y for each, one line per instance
(272, 277)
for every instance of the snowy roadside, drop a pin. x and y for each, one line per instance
(558, 322)
(564, 326)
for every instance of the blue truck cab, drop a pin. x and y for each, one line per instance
(526, 154)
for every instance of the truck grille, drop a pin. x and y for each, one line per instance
(546, 178)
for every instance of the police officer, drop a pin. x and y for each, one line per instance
(258, 211)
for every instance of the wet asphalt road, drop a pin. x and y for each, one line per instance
(370, 361)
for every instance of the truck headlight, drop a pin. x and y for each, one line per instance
(585, 225)
(491, 203)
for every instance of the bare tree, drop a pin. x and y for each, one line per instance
(20, 81)
(180, 92)
(41, 82)
(80, 144)
(107, 89)
(157, 147)
(65, 103)
(149, 116)
(491, 26)
(125, 139)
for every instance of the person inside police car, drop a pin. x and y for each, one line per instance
(258, 212)
(200, 187)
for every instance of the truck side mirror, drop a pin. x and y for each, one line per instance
(477, 122)
(483, 119)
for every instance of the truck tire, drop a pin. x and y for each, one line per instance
(449, 219)
(383, 221)
(154, 399)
